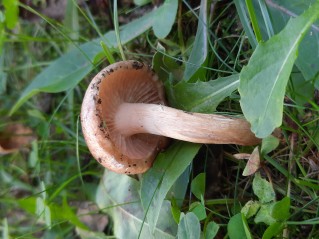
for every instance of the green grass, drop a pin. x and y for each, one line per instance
(44, 184)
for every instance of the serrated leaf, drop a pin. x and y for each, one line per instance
(263, 189)
(189, 227)
(157, 181)
(263, 81)
(117, 194)
(200, 47)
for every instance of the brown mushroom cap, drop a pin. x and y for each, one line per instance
(129, 82)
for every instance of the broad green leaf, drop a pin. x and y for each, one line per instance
(50, 212)
(264, 214)
(250, 209)
(202, 97)
(280, 11)
(273, 230)
(199, 210)
(66, 213)
(157, 181)
(307, 60)
(28, 204)
(263, 81)
(118, 196)
(263, 189)
(280, 211)
(235, 227)
(268, 144)
(164, 18)
(67, 71)
(200, 47)
(189, 227)
(301, 90)
(11, 13)
(166, 67)
(179, 188)
(176, 212)
(141, 2)
(198, 185)
(211, 230)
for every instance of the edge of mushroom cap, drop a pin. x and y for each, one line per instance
(95, 134)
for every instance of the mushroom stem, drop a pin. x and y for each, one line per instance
(134, 118)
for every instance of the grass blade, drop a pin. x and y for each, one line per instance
(199, 51)
(117, 31)
(241, 10)
(159, 179)
(253, 19)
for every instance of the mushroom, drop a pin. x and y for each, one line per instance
(125, 122)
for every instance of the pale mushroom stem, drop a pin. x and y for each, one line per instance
(134, 118)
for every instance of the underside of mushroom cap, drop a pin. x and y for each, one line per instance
(122, 82)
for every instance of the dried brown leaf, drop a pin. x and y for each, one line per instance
(14, 137)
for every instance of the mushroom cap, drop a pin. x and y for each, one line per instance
(121, 82)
